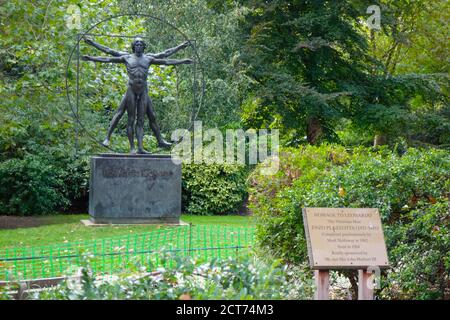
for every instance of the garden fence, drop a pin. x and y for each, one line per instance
(106, 256)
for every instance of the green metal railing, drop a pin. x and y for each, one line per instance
(109, 255)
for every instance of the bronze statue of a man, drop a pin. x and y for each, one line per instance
(136, 100)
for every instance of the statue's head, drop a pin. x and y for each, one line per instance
(138, 45)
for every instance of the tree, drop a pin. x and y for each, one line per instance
(312, 66)
(306, 58)
(413, 42)
(413, 37)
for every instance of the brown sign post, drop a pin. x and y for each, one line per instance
(344, 238)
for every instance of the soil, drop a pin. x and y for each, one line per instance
(12, 222)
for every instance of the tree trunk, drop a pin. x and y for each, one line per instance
(314, 130)
(379, 140)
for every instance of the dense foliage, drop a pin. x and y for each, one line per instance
(410, 190)
(213, 188)
(420, 254)
(306, 68)
(245, 278)
(312, 69)
(39, 173)
(36, 119)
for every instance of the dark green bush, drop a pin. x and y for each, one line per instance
(31, 186)
(329, 176)
(213, 189)
(39, 173)
(420, 253)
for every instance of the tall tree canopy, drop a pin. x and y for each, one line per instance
(312, 65)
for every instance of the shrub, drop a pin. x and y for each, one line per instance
(420, 254)
(41, 184)
(329, 176)
(212, 189)
(30, 186)
(280, 227)
(38, 172)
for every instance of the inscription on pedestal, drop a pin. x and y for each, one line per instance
(134, 189)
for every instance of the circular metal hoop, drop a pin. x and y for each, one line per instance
(197, 100)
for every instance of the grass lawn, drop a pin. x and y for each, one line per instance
(67, 228)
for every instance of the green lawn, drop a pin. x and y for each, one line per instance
(53, 248)
(67, 228)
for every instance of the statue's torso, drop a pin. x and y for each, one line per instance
(137, 68)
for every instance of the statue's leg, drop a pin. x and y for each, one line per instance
(141, 103)
(115, 120)
(131, 111)
(153, 125)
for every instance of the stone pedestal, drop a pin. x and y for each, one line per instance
(134, 189)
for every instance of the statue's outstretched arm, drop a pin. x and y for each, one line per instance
(171, 62)
(103, 48)
(104, 59)
(169, 52)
